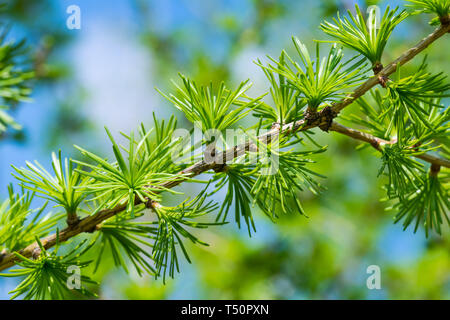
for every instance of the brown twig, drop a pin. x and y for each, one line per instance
(391, 67)
(377, 142)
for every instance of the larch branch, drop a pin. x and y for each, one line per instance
(89, 223)
(377, 142)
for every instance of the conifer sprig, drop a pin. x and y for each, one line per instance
(20, 223)
(282, 174)
(14, 82)
(403, 171)
(439, 7)
(65, 187)
(239, 179)
(213, 109)
(173, 226)
(46, 275)
(321, 81)
(407, 97)
(369, 39)
(427, 205)
(141, 176)
(115, 193)
(288, 102)
(126, 241)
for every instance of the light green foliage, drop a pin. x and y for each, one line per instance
(411, 116)
(239, 179)
(122, 237)
(439, 7)
(46, 276)
(172, 227)
(13, 81)
(139, 233)
(65, 187)
(282, 175)
(213, 110)
(428, 205)
(322, 80)
(141, 176)
(434, 127)
(288, 102)
(367, 39)
(20, 223)
(6, 120)
(372, 116)
(407, 96)
(270, 178)
(383, 118)
(403, 171)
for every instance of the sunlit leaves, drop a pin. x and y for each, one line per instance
(407, 95)
(126, 241)
(421, 199)
(439, 7)
(7, 121)
(372, 116)
(10, 84)
(213, 109)
(270, 177)
(20, 223)
(318, 81)
(13, 82)
(47, 276)
(411, 109)
(427, 206)
(151, 247)
(137, 177)
(282, 174)
(403, 171)
(408, 120)
(287, 101)
(173, 228)
(437, 119)
(64, 188)
(159, 143)
(368, 39)
(239, 179)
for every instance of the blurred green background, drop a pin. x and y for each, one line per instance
(105, 74)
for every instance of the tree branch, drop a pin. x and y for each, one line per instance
(391, 67)
(89, 223)
(376, 142)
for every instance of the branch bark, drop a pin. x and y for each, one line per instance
(89, 223)
(376, 142)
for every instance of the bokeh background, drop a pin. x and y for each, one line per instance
(104, 75)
